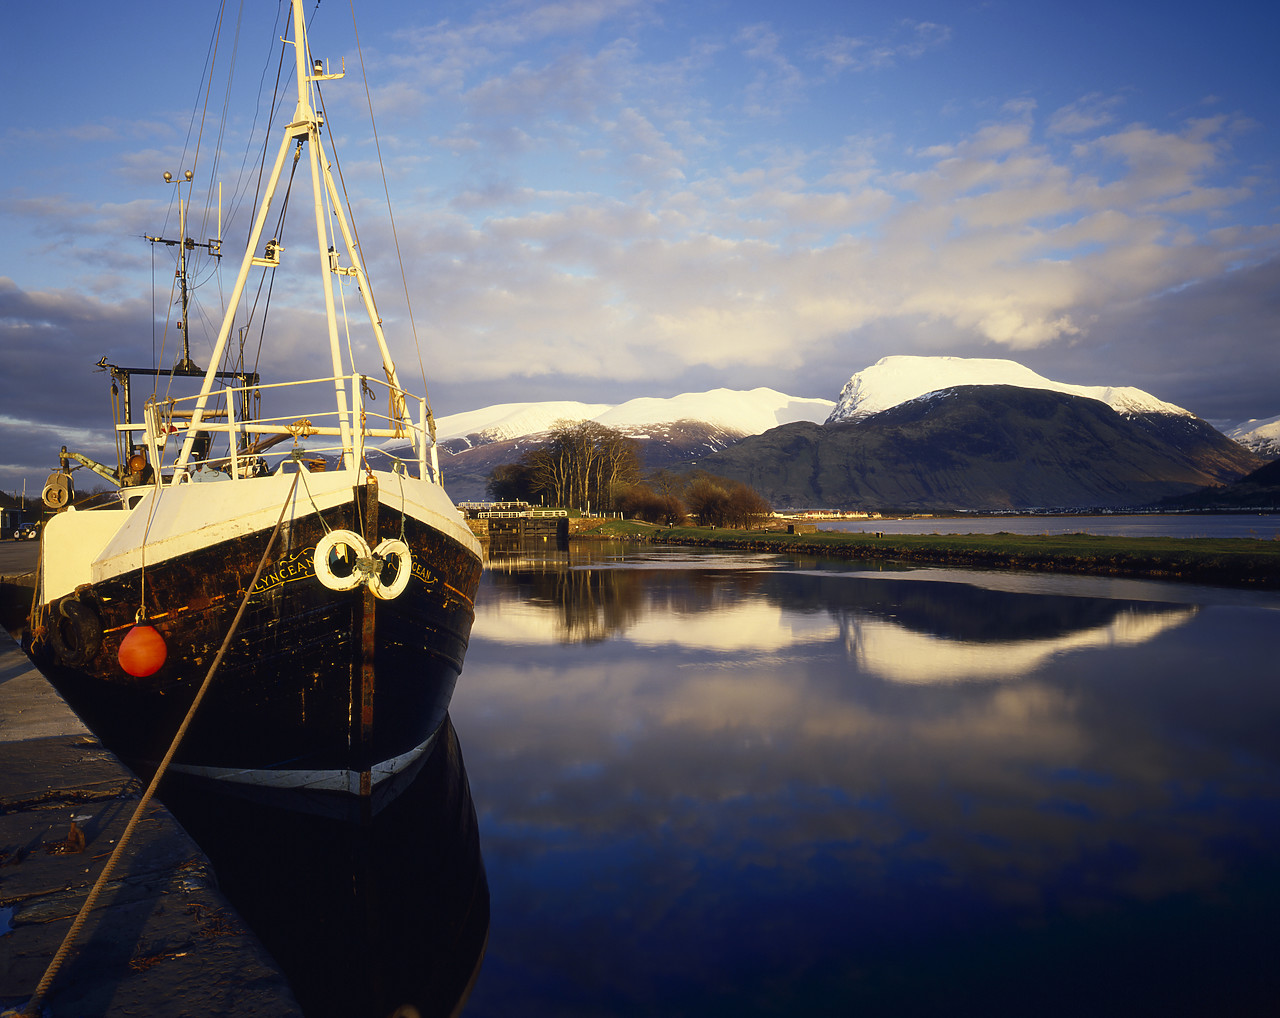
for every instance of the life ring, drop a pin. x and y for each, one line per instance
(342, 549)
(75, 633)
(392, 549)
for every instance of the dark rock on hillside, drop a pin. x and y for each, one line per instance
(664, 445)
(985, 447)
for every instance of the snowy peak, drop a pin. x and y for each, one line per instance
(741, 413)
(899, 379)
(748, 413)
(505, 421)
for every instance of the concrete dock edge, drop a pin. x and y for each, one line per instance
(163, 940)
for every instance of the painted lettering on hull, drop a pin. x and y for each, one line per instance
(297, 565)
(425, 575)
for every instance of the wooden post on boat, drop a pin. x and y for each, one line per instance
(368, 638)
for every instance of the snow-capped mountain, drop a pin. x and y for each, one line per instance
(892, 381)
(931, 432)
(1260, 436)
(505, 421)
(741, 413)
(985, 447)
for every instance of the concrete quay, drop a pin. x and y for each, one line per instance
(161, 940)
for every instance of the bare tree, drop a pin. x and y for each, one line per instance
(582, 464)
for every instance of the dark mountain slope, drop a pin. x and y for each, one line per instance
(1258, 490)
(984, 447)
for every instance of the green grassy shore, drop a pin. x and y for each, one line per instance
(1237, 562)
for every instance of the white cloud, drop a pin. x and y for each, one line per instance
(1087, 113)
(778, 83)
(909, 39)
(582, 193)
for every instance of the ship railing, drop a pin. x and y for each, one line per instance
(367, 410)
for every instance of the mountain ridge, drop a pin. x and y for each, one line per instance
(744, 411)
(706, 427)
(900, 378)
(983, 447)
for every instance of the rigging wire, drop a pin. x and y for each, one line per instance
(333, 236)
(197, 126)
(413, 327)
(244, 183)
(281, 77)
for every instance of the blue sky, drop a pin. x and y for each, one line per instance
(604, 199)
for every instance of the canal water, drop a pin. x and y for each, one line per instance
(708, 783)
(718, 783)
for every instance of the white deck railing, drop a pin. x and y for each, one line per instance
(376, 411)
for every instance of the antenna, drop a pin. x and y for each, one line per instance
(186, 366)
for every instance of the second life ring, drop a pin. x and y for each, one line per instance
(397, 562)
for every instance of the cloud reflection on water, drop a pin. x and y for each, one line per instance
(896, 653)
(789, 760)
(884, 631)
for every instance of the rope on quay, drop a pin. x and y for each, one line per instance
(32, 1008)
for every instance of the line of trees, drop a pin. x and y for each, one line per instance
(710, 500)
(589, 466)
(717, 502)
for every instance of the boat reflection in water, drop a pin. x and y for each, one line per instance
(364, 918)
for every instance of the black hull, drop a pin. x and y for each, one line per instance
(318, 688)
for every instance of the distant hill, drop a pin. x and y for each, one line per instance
(986, 447)
(1258, 490)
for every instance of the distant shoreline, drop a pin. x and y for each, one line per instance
(1234, 562)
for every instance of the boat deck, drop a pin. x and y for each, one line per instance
(162, 939)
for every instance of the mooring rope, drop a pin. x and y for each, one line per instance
(37, 613)
(33, 1006)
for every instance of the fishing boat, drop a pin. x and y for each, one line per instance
(338, 674)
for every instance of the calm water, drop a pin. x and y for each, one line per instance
(1262, 526)
(727, 784)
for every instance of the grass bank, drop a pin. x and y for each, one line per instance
(1221, 561)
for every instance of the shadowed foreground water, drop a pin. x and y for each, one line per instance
(365, 918)
(727, 784)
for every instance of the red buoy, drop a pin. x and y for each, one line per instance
(142, 651)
